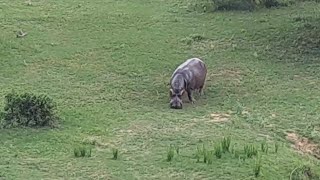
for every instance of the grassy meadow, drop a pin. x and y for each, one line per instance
(107, 65)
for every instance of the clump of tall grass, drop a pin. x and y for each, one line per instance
(170, 153)
(82, 151)
(218, 150)
(276, 147)
(264, 146)
(209, 157)
(198, 154)
(257, 167)
(250, 150)
(225, 144)
(115, 153)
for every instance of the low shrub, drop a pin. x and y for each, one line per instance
(235, 5)
(28, 110)
(307, 35)
(228, 5)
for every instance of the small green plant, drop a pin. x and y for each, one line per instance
(76, 152)
(204, 153)
(276, 147)
(264, 147)
(82, 152)
(199, 153)
(218, 150)
(29, 110)
(170, 153)
(250, 150)
(257, 167)
(115, 153)
(225, 144)
(209, 157)
(205, 156)
(89, 153)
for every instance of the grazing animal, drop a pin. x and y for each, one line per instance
(189, 76)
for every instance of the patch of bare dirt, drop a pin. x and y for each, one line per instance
(304, 145)
(219, 117)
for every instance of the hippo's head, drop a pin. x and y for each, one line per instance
(175, 96)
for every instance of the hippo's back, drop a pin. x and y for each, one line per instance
(195, 65)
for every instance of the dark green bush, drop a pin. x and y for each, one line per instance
(234, 5)
(238, 5)
(28, 110)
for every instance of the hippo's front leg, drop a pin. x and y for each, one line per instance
(191, 99)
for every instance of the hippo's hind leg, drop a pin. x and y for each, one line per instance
(201, 92)
(191, 99)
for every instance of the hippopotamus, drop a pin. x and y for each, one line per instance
(187, 77)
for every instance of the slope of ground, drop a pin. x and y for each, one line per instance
(107, 65)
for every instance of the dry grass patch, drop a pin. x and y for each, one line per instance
(227, 75)
(304, 145)
(219, 117)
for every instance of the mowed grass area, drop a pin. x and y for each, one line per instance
(107, 65)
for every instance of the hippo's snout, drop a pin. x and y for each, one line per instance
(176, 103)
(176, 107)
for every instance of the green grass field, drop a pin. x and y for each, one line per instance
(107, 64)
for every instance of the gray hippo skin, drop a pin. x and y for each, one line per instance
(189, 76)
